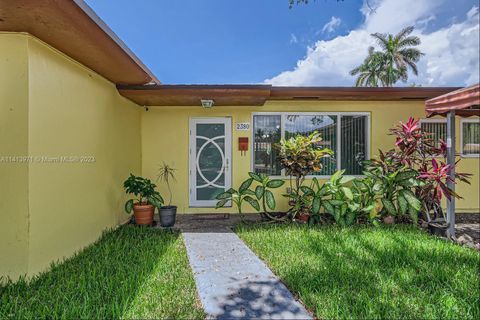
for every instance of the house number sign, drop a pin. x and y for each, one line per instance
(243, 126)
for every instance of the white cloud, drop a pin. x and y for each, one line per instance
(293, 38)
(451, 53)
(333, 24)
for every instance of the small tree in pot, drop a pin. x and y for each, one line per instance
(167, 213)
(147, 198)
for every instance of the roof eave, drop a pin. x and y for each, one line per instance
(231, 95)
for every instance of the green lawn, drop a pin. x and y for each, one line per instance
(132, 272)
(367, 272)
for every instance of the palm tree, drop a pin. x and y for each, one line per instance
(399, 54)
(371, 72)
(391, 63)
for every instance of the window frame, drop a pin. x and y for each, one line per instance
(469, 155)
(283, 115)
(435, 120)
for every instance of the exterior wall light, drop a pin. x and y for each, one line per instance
(207, 103)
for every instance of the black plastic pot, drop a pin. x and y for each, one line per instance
(167, 216)
(438, 228)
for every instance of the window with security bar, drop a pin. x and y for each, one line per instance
(346, 134)
(470, 139)
(436, 129)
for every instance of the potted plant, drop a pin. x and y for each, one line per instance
(167, 213)
(147, 198)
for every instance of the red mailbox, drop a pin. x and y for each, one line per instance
(243, 145)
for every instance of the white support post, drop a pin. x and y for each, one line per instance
(451, 161)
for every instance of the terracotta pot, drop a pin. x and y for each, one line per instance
(143, 213)
(303, 217)
(389, 220)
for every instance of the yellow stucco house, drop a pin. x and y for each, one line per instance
(79, 112)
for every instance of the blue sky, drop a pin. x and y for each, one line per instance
(256, 41)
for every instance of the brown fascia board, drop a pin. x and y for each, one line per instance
(257, 95)
(190, 95)
(358, 93)
(73, 28)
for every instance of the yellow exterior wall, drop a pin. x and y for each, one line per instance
(13, 142)
(51, 106)
(72, 111)
(165, 138)
(75, 112)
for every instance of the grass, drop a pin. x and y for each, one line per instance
(368, 273)
(130, 273)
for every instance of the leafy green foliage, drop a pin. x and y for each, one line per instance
(261, 193)
(130, 273)
(344, 198)
(392, 183)
(301, 156)
(339, 200)
(144, 190)
(391, 64)
(238, 196)
(390, 272)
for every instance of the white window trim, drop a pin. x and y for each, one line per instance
(282, 134)
(470, 155)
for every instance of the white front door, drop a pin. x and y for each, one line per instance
(210, 158)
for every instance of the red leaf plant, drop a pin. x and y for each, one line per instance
(416, 150)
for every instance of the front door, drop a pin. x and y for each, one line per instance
(210, 158)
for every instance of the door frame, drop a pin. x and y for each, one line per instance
(192, 158)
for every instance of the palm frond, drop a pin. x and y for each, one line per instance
(359, 81)
(404, 32)
(382, 39)
(356, 71)
(410, 41)
(411, 54)
(412, 66)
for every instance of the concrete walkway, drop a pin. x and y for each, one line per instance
(232, 281)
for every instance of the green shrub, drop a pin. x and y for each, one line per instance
(262, 193)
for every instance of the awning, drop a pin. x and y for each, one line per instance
(465, 102)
